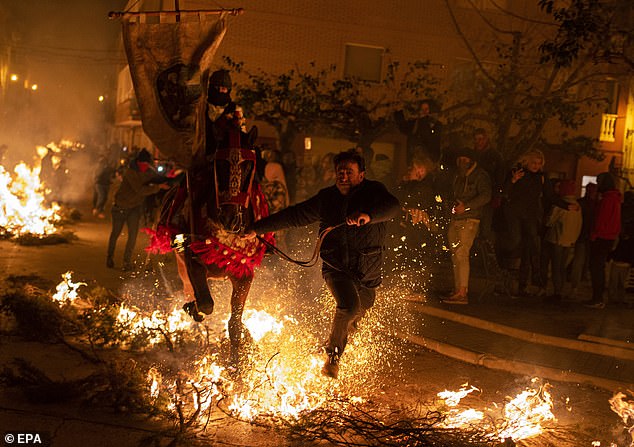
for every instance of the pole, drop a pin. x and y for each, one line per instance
(125, 14)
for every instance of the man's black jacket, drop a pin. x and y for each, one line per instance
(356, 251)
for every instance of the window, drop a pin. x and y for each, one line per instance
(612, 97)
(363, 62)
(585, 180)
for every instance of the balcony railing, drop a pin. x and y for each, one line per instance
(608, 127)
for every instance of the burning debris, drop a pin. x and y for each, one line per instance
(28, 215)
(167, 365)
(623, 405)
(23, 210)
(522, 417)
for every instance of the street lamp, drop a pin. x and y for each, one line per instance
(34, 87)
(14, 77)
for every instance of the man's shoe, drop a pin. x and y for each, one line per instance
(127, 267)
(456, 298)
(462, 301)
(110, 263)
(331, 366)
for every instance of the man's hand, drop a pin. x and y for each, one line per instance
(358, 219)
(459, 207)
(419, 216)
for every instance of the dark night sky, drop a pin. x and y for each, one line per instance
(69, 48)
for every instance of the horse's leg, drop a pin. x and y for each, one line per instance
(196, 272)
(188, 290)
(190, 305)
(241, 287)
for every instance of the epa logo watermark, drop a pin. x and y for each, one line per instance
(24, 439)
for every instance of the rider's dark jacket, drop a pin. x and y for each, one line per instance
(355, 251)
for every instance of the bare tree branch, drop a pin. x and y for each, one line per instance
(467, 44)
(517, 16)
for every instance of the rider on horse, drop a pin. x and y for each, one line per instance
(202, 219)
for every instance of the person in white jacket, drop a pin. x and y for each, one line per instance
(562, 231)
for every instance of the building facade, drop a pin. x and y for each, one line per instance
(363, 37)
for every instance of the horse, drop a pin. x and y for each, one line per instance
(203, 219)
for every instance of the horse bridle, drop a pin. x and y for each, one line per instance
(234, 195)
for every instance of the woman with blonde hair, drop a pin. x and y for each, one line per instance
(526, 190)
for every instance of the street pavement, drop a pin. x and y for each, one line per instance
(524, 336)
(568, 342)
(64, 425)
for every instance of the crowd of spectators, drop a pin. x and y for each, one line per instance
(462, 202)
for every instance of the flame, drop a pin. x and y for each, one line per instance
(623, 405)
(22, 204)
(259, 323)
(281, 378)
(154, 378)
(525, 414)
(156, 325)
(453, 398)
(67, 289)
(522, 417)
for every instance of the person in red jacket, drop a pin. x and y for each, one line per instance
(605, 231)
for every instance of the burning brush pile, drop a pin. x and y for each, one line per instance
(159, 362)
(27, 215)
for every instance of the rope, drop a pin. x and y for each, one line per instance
(315, 256)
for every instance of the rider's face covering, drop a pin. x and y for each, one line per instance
(218, 96)
(348, 176)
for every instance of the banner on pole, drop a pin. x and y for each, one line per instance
(168, 60)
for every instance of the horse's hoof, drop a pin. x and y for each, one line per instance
(192, 310)
(206, 308)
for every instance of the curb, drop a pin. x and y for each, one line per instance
(606, 341)
(512, 366)
(577, 345)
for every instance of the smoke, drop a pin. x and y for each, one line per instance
(65, 55)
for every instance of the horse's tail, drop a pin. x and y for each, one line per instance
(167, 225)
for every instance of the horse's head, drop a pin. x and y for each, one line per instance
(234, 174)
